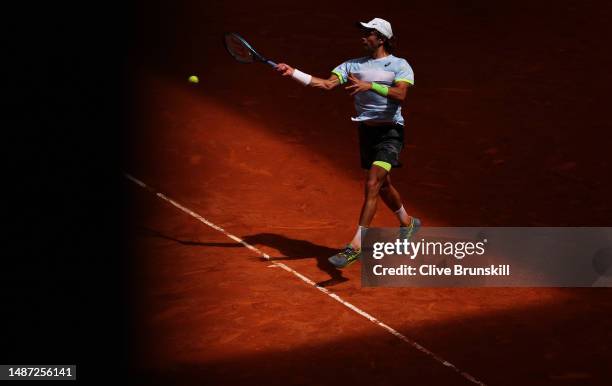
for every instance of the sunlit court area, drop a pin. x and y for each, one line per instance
(235, 185)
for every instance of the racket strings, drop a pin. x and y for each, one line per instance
(237, 49)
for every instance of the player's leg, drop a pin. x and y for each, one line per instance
(409, 225)
(372, 153)
(392, 199)
(375, 177)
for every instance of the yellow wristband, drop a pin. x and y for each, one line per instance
(380, 89)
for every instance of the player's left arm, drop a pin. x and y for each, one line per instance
(396, 92)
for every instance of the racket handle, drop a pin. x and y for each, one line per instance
(271, 63)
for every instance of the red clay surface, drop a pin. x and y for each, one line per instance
(499, 137)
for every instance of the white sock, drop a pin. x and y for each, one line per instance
(402, 216)
(356, 242)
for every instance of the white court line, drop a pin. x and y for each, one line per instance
(305, 279)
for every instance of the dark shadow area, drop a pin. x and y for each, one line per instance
(564, 343)
(291, 249)
(294, 249)
(62, 273)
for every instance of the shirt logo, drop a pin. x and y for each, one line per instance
(387, 64)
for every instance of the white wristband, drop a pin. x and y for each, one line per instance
(301, 77)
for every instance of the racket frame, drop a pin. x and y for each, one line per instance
(256, 55)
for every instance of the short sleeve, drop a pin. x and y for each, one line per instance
(405, 73)
(342, 72)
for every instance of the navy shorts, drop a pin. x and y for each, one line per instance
(380, 143)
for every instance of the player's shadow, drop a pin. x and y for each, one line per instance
(294, 249)
(290, 249)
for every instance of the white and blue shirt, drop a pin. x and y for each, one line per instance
(371, 106)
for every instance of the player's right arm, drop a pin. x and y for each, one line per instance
(325, 84)
(308, 80)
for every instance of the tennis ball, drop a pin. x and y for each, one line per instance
(193, 79)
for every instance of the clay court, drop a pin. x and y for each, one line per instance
(253, 181)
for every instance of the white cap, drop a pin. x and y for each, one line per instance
(380, 25)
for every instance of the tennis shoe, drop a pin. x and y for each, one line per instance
(405, 233)
(346, 257)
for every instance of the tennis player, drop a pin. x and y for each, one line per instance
(378, 82)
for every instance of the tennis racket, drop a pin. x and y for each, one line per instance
(242, 51)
